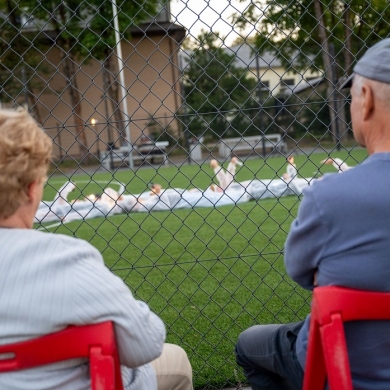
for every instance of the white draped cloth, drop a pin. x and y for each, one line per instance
(112, 202)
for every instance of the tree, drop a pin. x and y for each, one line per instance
(98, 40)
(64, 27)
(329, 35)
(220, 98)
(83, 30)
(19, 69)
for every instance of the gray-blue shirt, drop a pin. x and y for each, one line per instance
(343, 231)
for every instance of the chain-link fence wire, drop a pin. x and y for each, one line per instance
(140, 103)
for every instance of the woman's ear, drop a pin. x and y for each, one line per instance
(31, 189)
(34, 191)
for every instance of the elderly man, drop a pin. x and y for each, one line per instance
(340, 237)
(49, 281)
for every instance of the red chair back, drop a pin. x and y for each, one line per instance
(327, 355)
(94, 342)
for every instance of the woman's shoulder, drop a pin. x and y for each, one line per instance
(48, 236)
(59, 243)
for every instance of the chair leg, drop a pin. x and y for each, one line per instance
(315, 371)
(102, 370)
(336, 356)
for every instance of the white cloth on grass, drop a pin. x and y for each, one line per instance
(172, 199)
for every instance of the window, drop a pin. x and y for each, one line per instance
(264, 85)
(287, 83)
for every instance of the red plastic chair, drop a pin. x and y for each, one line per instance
(327, 355)
(95, 342)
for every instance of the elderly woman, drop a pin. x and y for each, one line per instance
(49, 281)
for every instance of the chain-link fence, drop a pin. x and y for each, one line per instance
(148, 102)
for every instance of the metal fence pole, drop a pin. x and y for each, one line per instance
(121, 66)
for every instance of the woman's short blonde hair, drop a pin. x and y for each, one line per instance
(25, 152)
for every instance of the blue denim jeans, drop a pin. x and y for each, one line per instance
(267, 355)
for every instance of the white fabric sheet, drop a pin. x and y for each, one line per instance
(112, 202)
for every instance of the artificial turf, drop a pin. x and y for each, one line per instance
(208, 272)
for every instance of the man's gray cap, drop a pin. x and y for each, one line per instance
(374, 64)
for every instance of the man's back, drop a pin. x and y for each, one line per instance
(343, 232)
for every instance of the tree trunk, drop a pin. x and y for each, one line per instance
(111, 87)
(330, 72)
(34, 103)
(348, 58)
(70, 71)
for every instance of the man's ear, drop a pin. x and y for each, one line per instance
(368, 102)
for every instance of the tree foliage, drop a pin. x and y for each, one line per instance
(20, 61)
(220, 97)
(81, 30)
(324, 35)
(295, 30)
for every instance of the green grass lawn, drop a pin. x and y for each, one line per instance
(208, 272)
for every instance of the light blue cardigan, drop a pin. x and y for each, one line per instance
(49, 281)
